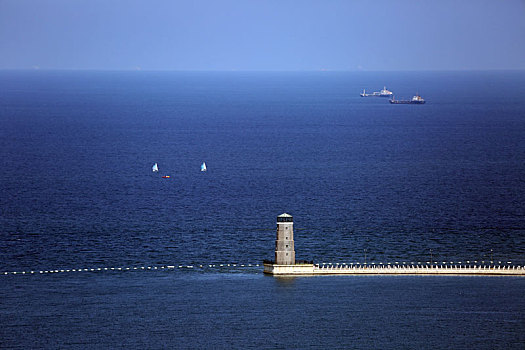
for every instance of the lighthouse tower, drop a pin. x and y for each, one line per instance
(285, 263)
(284, 246)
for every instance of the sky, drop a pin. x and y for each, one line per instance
(262, 35)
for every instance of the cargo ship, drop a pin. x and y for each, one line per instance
(416, 100)
(383, 93)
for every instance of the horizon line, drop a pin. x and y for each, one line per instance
(262, 70)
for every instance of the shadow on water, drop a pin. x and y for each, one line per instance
(284, 281)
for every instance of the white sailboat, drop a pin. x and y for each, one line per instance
(155, 168)
(203, 166)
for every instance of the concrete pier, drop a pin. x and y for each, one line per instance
(315, 269)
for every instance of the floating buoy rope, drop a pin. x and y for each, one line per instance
(136, 268)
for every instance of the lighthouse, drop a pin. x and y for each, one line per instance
(285, 263)
(284, 246)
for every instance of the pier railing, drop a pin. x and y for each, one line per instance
(419, 269)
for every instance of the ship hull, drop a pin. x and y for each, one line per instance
(401, 102)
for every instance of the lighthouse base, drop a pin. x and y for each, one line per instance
(299, 269)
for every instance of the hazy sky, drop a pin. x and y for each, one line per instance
(262, 34)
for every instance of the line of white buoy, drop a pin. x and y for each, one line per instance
(133, 268)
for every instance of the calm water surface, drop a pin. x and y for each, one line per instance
(357, 174)
(248, 310)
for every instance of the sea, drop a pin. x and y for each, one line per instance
(97, 251)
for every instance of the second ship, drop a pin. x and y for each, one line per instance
(416, 100)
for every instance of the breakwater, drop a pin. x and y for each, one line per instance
(387, 269)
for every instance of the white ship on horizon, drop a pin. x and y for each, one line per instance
(383, 93)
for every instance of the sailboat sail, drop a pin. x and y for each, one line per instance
(203, 166)
(155, 168)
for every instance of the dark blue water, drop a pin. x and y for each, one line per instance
(144, 310)
(76, 150)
